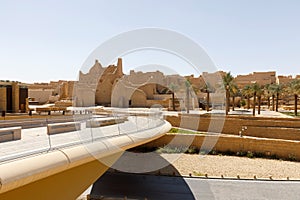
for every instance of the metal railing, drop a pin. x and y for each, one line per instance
(35, 139)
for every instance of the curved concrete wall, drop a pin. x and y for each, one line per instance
(19, 174)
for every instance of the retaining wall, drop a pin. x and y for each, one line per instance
(280, 128)
(282, 148)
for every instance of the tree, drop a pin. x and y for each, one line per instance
(275, 90)
(260, 92)
(187, 87)
(294, 88)
(234, 90)
(173, 87)
(247, 92)
(228, 81)
(257, 91)
(267, 93)
(207, 89)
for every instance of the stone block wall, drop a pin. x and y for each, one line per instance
(279, 128)
(281, 148)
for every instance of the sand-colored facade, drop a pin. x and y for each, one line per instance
(109, 86)
(51, 92)
(13, 96)
(262, 78)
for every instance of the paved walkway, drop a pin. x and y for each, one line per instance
(264, 113)
(136, 186)
(36, 140)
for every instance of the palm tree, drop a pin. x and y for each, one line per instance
(187, 87)
(207, 89)
(173, 87)
(247, 92)
(228, 81)
(259, 94)
(233, 92)
(294, 88)
(273, 97)
(275, 90)
(256, 89)
(267, 93)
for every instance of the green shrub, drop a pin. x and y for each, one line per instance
(243, 102)
(192, 150)
(183, 131)
(198, 173)
(250, 154)
(168, 149)
(292, 157)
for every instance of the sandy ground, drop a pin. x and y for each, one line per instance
(231, 166)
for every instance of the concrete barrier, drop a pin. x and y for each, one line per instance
(50, 109)
(98, 122)
(63, 127)
(9, 134)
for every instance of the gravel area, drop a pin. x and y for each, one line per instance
(231, 166)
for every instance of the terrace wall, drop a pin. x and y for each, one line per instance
(279, 128)
(281, 148)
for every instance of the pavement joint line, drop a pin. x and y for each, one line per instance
(241, 179)
(213, 178)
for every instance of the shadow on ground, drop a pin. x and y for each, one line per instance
(152, 185)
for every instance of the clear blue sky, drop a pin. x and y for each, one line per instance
(49, 40)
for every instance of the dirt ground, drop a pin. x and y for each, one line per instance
(231, 166)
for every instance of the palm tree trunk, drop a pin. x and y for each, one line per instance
(296, 104)
(228, 107)
(273, 102)
(227, 102)
(268, 102)
(233, 98)
(207, 102)
(248, 102)
(259, 103)
(277, 97)
(173, 101)
(254, 102)
(187, 100)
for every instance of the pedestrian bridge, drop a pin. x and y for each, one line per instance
(44, 165)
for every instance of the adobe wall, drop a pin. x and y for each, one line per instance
(2, 98)
(104, 91)
(40, 95)
(138, 98)
(281, 148)
(15, 97)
